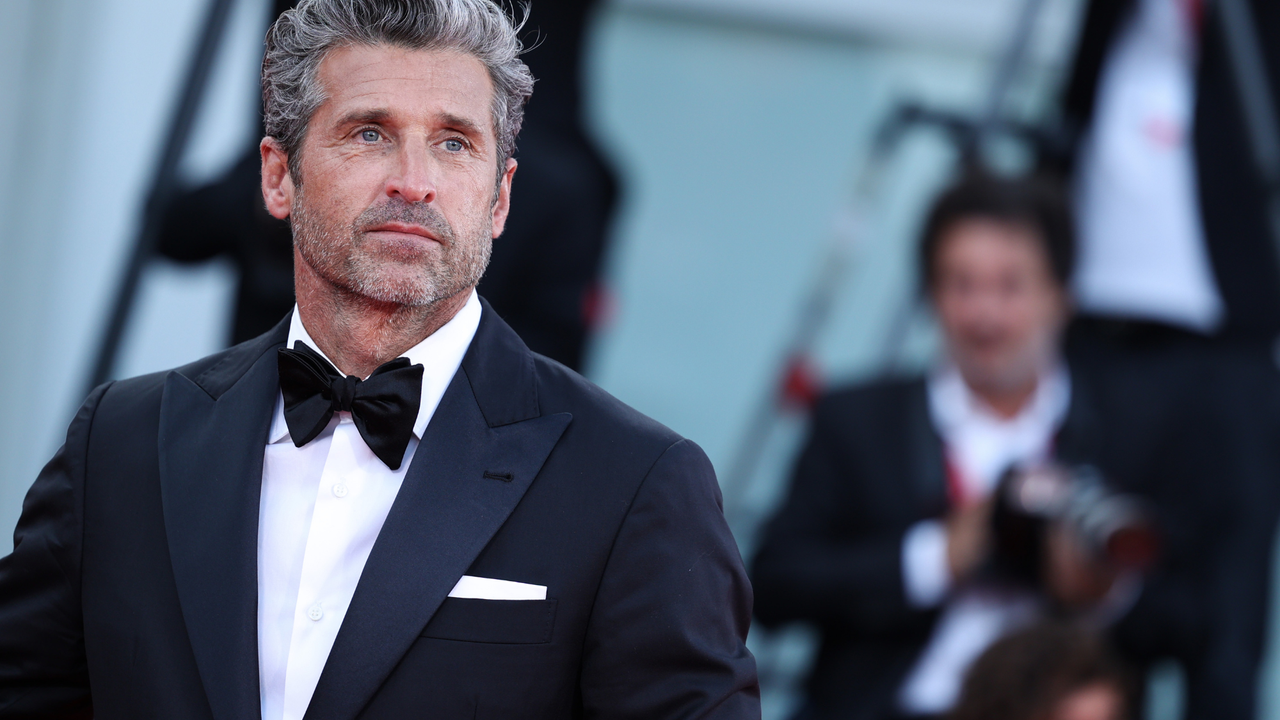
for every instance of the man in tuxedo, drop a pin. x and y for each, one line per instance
(386, 506)
(884, 542)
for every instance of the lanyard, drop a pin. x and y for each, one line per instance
(1193, 10)
(957, 494)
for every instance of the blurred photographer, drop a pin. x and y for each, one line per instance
(885, 541)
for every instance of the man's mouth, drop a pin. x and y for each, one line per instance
(399, 228)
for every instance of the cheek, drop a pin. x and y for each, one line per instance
(345, 177)
(1045, 315)
(340, 193)
(469, 207)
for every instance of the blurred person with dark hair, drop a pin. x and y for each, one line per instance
(885, 538)
(1048, 671)
(1178, 288)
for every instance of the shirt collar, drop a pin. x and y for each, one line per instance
(953, 405)
(440, 355)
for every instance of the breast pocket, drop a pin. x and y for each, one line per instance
(517, 622)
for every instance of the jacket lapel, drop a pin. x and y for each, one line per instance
(927, 466)
(213, 429)
(481, 452)
(1078, 440)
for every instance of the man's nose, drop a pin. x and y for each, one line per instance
(412, 176)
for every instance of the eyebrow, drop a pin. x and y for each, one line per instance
(357, 117)
(463, 124)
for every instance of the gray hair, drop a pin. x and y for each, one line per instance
(301, 38)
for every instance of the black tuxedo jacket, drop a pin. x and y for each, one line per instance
(873, 466)
(1232, 194)
(132, 588)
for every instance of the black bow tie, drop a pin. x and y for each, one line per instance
(384, 407)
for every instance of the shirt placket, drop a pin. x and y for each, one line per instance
(335, 525)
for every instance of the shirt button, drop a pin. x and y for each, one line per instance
(340, 490)
(315, 612)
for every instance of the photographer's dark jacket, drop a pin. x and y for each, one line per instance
(873, 466)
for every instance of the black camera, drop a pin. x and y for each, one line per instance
(1113, 527)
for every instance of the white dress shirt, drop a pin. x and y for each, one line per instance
(1142, 246)
(980, 445)
(322, 507)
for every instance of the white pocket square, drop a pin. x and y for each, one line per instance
(479, 588)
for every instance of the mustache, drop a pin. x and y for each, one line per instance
(401, 211)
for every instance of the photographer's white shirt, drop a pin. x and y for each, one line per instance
(979, 445)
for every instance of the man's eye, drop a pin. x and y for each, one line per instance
(370, 135)
(454, 145)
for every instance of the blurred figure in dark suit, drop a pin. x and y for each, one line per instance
(226, 218)
(544, 278)
(544, 275)
(1178, 287)
(885, 541)
(1163, 175)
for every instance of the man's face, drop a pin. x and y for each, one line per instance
(395, 201)
(1000, 308)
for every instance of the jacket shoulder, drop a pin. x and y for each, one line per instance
(563, 390)
(214, 373)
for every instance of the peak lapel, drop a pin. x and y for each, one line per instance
(926, 463)
(444, 516)
(213, 432)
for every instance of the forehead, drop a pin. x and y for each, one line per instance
(991, 242)
(412, 85)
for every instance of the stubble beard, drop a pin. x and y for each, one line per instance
(342, 256)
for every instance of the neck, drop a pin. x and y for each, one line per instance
(358, 333)
(1007, 401)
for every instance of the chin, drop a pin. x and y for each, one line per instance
(409, 288)
(408, 295)
(994, 374)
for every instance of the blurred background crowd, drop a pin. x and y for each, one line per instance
(974, 305)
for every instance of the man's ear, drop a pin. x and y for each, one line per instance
(277, 184)
(502, 203)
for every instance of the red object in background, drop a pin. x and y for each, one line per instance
(801, 384)
(1195, 15)
(598, 306)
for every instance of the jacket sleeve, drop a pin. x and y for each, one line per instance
(667, 635)
(43, 670)
(821, 560)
